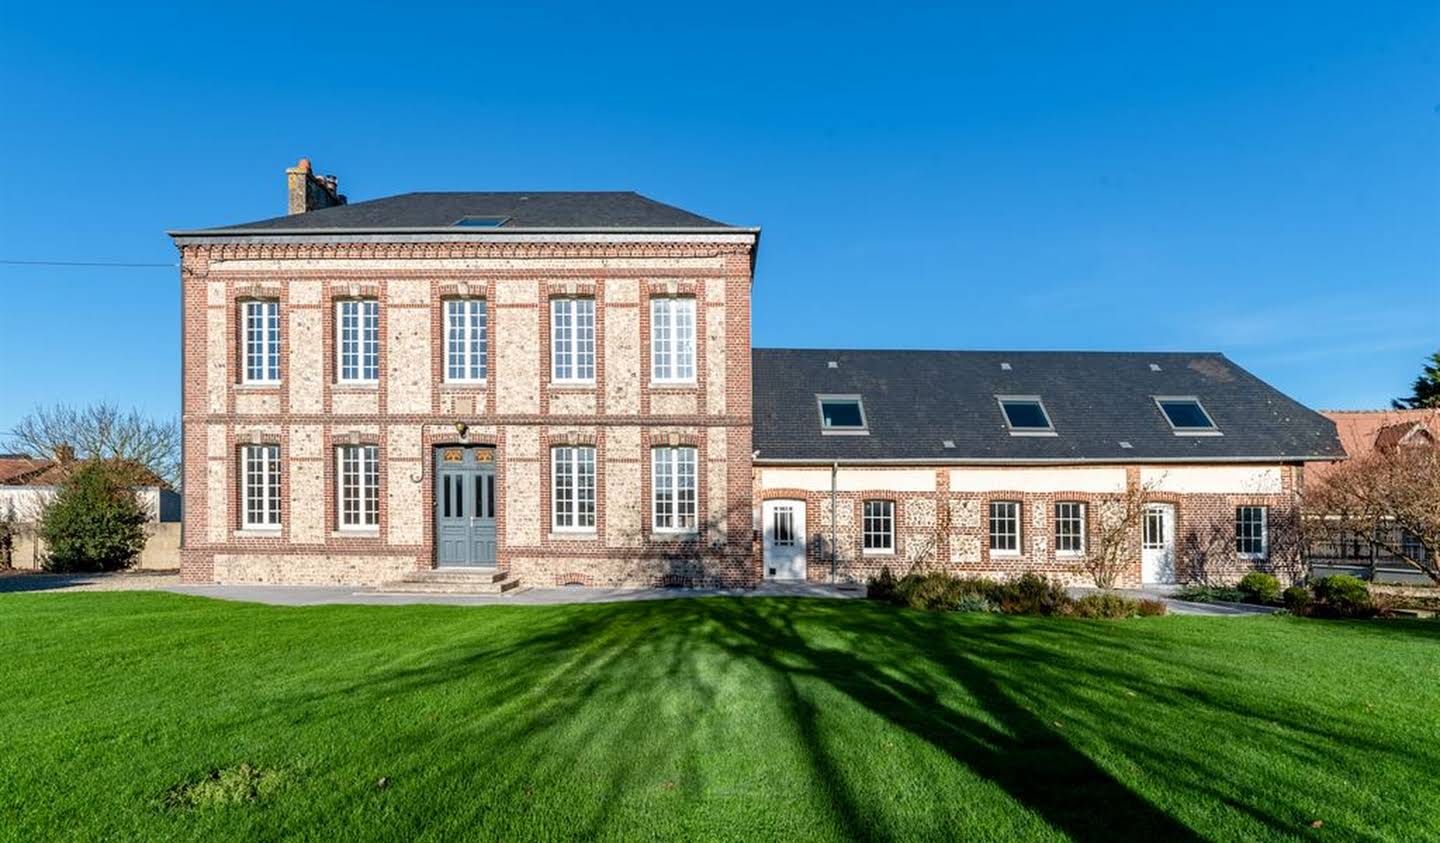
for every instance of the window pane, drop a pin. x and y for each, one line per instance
(877, 527)
(1186, 414)
(562, 338)
(1026, 415)
(1004, 526)
(660, 340)
(841, 413)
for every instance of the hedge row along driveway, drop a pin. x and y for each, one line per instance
(166, 716)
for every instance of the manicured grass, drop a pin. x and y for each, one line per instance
(707, 719)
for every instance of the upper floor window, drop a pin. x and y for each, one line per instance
(1186, 416)
(1070, 528)
(1004, 528)
(357, 343)
(466, 340)
(260, 486)
(841, 414)
(1250, 531)
(1025, 415)
(673, 488)
(359, 487)
(672, 340)
(572, 340)
(572, 475)
(262, 341)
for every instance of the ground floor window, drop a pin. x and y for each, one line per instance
(1070, 528)
(879, 526)
(673, 489)
(572, 475)
(1004, 527)
(260, 486)
(359, 486)
(1250, 539)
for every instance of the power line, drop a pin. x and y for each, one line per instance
(88, 263)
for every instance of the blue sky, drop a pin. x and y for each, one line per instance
(1263, 182)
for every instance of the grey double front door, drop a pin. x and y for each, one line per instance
(465, 505)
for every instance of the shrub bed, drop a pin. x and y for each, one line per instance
(1029, 594)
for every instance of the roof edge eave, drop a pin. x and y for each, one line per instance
(1055, 461)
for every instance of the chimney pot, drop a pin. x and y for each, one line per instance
(309, 192)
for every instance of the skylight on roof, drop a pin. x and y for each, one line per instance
(841, 414)
(482, 222)
(1187, 417)
(1025, 415)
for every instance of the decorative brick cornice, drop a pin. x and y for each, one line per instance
(321, 251)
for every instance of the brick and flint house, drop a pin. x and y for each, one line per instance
(554, 388)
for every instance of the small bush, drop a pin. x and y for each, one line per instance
(1209, 594)
(1104, 605)
(1152, 608)
(882, 587)
(94, 523)
(1298, 600)
(1031, 594)
(1342, 596)
(974, 603)
(1259, 587)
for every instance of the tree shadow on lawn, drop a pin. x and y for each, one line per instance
(580, 686)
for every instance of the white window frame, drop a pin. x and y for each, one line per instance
(1264, 532)
(572, 340)
(877, 522)
(357, 469)
(1017, 510)
(822, 399)
(364, 333)
(1079, 519)
(260, 488)
(261, 339)
(672, 340)
(467, 343)
(572, 466)
(1212, 430)
(668, 473)
(1047, 430)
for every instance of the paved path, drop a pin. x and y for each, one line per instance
(304, 595)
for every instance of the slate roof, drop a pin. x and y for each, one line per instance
(524, 210)
(914, 400)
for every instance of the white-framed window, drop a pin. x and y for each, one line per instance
(1025, 415)
(359, 487)
(262, 341)
(572, 485)
(672, 483)
(357, 341)
(1004, 528)
(672, 340)
(572, 340)
(1070, 528)
(1186, 415)
(260, 487)
(1250, 531)
(467, 340)
(878, 526)
(841, 414)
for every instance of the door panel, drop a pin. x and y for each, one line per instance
(465, 506)
(1157, 544)
(784, 539)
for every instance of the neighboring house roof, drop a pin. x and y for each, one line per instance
(1364, 431)
(914, 401)
(514, 211)
(18, 469)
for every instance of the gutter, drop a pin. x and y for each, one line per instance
(962, 461)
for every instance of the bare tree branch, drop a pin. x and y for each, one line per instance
(102, 431)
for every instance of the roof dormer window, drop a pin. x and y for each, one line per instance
(1187, 417)
(841, 414)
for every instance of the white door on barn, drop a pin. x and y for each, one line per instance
(1157, 544)
(784, 539)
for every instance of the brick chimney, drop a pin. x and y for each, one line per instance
(309, 192)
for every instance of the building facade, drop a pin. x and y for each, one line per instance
(555, 387)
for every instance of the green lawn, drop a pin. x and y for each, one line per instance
(709, 719)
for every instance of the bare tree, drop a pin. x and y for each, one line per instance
(1113, 536)
(1388, 500)
(101, 431)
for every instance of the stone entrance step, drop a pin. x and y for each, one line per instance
(452, 581)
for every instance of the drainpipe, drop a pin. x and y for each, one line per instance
(834, 543)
